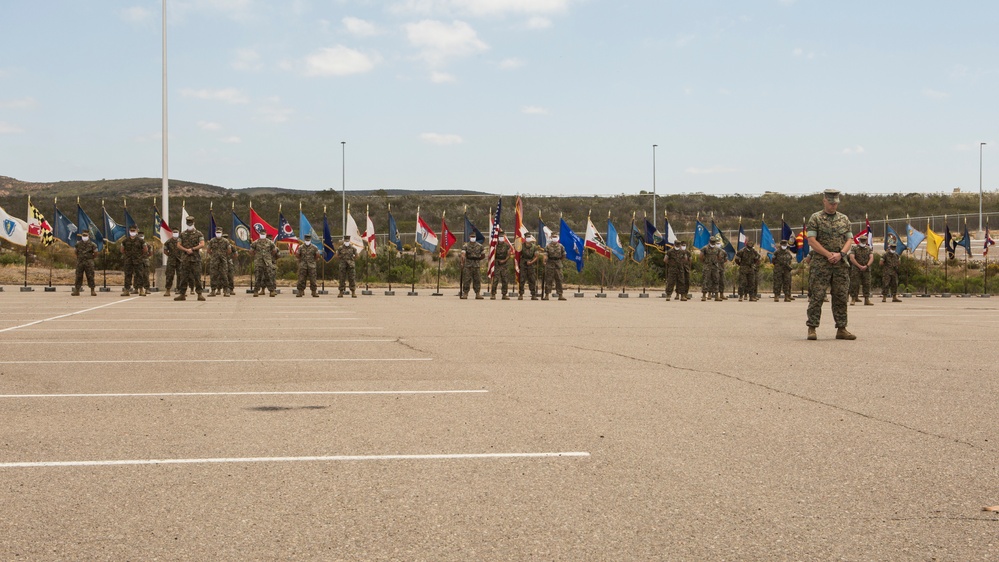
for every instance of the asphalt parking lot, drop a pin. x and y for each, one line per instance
(430, 428)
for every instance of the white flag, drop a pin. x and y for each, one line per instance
(355, 235)
(369, 237)
(13, 230)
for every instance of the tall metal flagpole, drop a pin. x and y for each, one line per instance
(343, 183)
(654, 180)
(166, 175)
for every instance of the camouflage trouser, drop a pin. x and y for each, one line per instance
(860, 279)
(87, 268)
(190, 276)
(172, 265)
(889, 283)
(218, 268)
(823, 277)
(264, 275)
(747, 282)
(720, 268)
(672, 280)
(348, 273)
(529, 275)
(710, 282)
(471, 275)
(683, 285)
(232, 275)
(782, 281)
(553, 276)
(501, 276)
(307, 272)
(142, 275)
(131, 271)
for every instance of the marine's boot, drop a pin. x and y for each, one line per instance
(256, 293)
(76, 292)
(884, 298)
(842, 334)
(479, 297)
(299, 294)
(811, 333)
(534, 298)
(740, 298)
(339, 295)
(227, 293)
(724, 298)
(315, 293)
(463, 296)
(754, 299)
(560, 297)
(166, 293)
(718, 298)
(124, 292)
(180, 297)
(273, 293)
(853, 301)
(492, 296)
(506, 298)
(353, 294)
(896, 299)
(668, 297)
(867, 301)
(520, 297)
(776, 298)
(683, 298)
(93, 292)
(788, 299)
(201, 296)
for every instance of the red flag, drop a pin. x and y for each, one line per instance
(447, 239)
(594, 241)
(258, 225)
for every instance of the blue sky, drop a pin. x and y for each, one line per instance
(506, 96)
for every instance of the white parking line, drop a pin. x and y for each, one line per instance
(467, 456)
(65, 315)
(255, 360)
(190, 320)
(198, 328)
(261, 393)
(172, 341)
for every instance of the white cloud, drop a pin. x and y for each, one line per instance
(538, 22)
(481, 8)
(511, 64)
(209, 126)
(800, 53)
(22, 103)
(712, 170)
(136, 14)
(439, 41)
(9, 129)
(684, 40)
(533, 110)
(935, 95)
(441, 77)
(339, 61)
(359, 28)
(273, 112)
(441, 139)
(227, 95)
(247, 59)
(231, 140)
(853, 150)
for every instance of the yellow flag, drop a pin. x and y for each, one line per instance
(933, 241)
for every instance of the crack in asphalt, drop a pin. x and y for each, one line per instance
(410, 346)
(788, 393)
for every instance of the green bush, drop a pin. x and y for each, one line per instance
(10, 258)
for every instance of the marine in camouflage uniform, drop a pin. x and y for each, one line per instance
(219, 252)
(131, 251)
(501, 269)
(264, 252)
(471, 276)
(308, 255)
(710, 256)
(830, 239)
(529, 256)
(231, 268)
(142, 274)
(86, 253)
(748, 260)
(554, 253)
(890, 264)
(720, 267)
(861, 258)
(172, 253)
(345, 255)
(672, 260)
(190, 243)
(783, 258)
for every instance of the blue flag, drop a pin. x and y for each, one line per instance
(573, 244)
(913, 238)
(64, 229)
(729, 250)
(129, 222)
(470, 228)
(701, 236)
(892, 236)
(767, 239)
(393, 233)
(802, 241)
(614, 242)
(114, 231)
(787, 234)
(305, 227)
(637, 243)
(328, 236)
(653, 237)
(211, 224)
(240, 232)
(85, 224)
(542, 233)
(964, 241)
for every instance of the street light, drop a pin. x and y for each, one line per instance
(654, 182)
(343, 183)
(980, 187)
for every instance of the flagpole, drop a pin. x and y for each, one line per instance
(985, 254)
(440, 258)
(966, 252)
(325, 221)
(391, 255)
(166, 176)
(412, 290)
(367, 258)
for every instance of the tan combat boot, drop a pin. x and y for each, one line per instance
(180, 297)
(884, 298)
(776, 298)
(315, 293)
(479, 297)
(299, 294)
(124, 292)
(76, 292)
(704, 297)
(867, 301)
(166, 293)
(683, 298)
(353, 294)
(201, 296)
(788, 299)
(718, 298)
(273, 293)
(896, 299)
(93, 292)
(842, 334)
(811, 333)
(142, 292)
(740, 298)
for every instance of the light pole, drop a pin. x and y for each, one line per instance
(980, 146)
(343, 182)
(654, 183)
(166, 175)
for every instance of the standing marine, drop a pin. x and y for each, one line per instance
(86, 253)
(711, 254)
(861, 258)
(830, 239)
(131, 252)
(529, 256)
(219, 252)
(471, 276)
(554, 254)
(783, 258)
(307, 254)
(345, 255)
(501, 269)
(264, 252)
(890, 264)
(190, 244)
(172, 252)
(748, 260)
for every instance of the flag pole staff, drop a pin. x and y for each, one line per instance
(27, 245)
(325, 221)
(106, 247)
(966, 252)
(415, 249)
(55, 203)
(440, 255)
(391, 254)
(367, 260)
(252, 290)
(985, 254)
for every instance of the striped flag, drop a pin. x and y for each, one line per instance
(594, 241)
(38, 226)
(494, 238)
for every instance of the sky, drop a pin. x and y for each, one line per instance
(554, 97)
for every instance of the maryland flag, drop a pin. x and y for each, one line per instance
(38, 226)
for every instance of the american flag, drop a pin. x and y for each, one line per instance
(494, 238)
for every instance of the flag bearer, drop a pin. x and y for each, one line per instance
(554, 254)
(529, 256)
(709, 269)
(890, 263)
(346, 254)
(190, 243)
(86, 252)
(748, 260)
(684, 263)
(501, 273)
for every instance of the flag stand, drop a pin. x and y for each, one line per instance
(251, 289)
(50, 288)
(602, 294)
(367, 289)
(412, 292)
(26, 288)
(643, 294)
(579, 288)
(438, 292)
(624, 275)
(390, 292)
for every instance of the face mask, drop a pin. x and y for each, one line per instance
(132, 234)
(190, 227)
(218, 235)
(176, 235)
(85, 238)
(142, 237)
(308, 241)
(346, 243)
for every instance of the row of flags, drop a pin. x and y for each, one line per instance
(640, 239)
